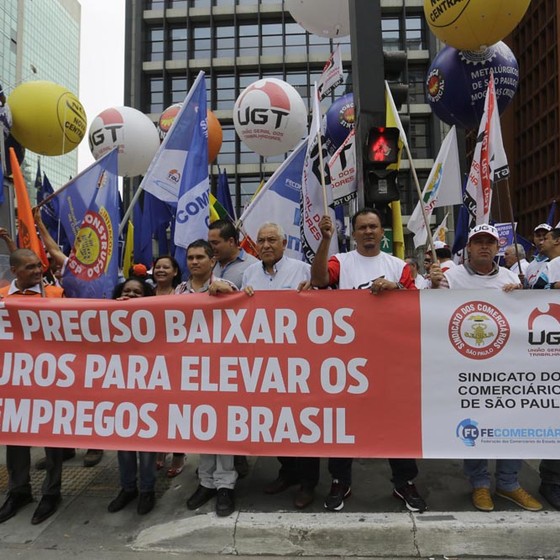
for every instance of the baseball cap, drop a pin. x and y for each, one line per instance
(484, 228)
(543, 226)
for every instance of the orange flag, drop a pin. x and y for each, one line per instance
(27, 234)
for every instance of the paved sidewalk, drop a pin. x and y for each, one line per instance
(373, 523)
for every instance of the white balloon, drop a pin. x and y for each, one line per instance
(270, 117)
(326, 18)
(133, 132)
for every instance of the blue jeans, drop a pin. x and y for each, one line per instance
(476, 470)
(128, 468)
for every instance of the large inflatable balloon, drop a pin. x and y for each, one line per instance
(132, 132)
(215, 133)
(327, 18)
(457, 82)
(270, 117)
(473, 24)
(166, 119)
(47, 118)
(340, 119)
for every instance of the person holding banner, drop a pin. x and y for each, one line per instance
(128, 460)
(368, 268)
(549, 469)
(216, 473)
(481, 272)
(276, 271)
(231, 263)
(166, 273)
(58, 260)
(27, 268)
(538, 265)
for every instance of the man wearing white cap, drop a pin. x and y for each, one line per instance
(538, 265)
(480, 271)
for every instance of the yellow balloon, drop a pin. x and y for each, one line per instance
(473, 24)
(48, 119)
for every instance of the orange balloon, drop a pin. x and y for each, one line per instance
(215, 136)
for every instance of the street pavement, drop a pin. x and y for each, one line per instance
(372, 524)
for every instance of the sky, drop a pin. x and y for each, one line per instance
(101, 62)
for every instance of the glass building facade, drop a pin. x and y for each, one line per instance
(41, 41)
(237, 42)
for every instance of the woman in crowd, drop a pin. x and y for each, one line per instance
(128, 460)
(167, 276)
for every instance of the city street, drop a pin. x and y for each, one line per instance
(372, 524)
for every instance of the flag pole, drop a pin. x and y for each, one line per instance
(71, 182)
(413, 169)
(129, 209)
(510, 208)
(322, 168)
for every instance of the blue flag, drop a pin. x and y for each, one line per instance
(224, 196)
(92, 268)
(75, 197)
(551, 220)
(279, 201)
(192, 216)
(461, 227)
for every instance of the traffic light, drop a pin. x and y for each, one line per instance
(382, 152)
(394, 65)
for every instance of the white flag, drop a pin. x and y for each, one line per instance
(443, 187)
(332, 75)
(312, 195)
(489, 163)
(441, 230)
(279, 201)
(342, 168)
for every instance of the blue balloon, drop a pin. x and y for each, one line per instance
(457, 81)
(340, 120)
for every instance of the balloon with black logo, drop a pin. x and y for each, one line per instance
(457, 82)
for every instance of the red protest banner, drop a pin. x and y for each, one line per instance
(279, 373)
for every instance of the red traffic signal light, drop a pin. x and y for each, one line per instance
(382, 147)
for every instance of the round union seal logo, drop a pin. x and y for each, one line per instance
(92, 248)
(478, 330)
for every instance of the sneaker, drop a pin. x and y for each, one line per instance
(146, 502)
(200, 497)
(482, 500)
(225, 503)
(92, 457)
(409, 495)
(335, 500)
(122, 500)
(552, 493)
(520, 497)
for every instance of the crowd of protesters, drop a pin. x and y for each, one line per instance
(219, 265)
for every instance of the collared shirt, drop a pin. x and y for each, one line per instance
(464, 277)
(35, 291)
(233, 271)
(288, 275)
(187, 288)
(515, 267)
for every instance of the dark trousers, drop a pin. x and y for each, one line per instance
(18, 463)
(549, 470)
(301, 470)
(402, 470)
